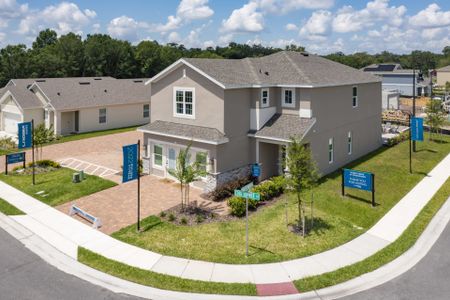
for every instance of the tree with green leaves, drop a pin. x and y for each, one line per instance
(435, 116)
(186, 173)
(45, 38)
(42, 136)
(302, 175)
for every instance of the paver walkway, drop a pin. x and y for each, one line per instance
(66, 234)
(116, 207)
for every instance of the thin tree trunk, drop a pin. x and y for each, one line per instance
(303, 222)
(182, 196)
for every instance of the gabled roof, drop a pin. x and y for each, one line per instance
(283, 127)
(78, 92)
(444, 69)
(284, 68)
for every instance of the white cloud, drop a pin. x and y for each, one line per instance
(291, 27)
(224, 40)
(10, 9)
(348, 19)
(432, 16)
(125, 28)
(63, 18)
(173, 37)
(318, 25)
(96, 28)
(285, 6)
(245, 19)
(432, 33)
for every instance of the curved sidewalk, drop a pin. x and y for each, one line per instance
(66, 234)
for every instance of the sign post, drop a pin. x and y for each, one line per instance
(244, 192)
(415, 134)
(131, 155)
(358, 180)
(26, 140)
(13, 159)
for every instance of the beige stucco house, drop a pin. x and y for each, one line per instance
(74, 105)
(443, 75)
(239, 112)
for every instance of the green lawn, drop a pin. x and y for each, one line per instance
(4, 152)
(57, 186)
(9, 209)
(339, 219)
(384, 256)
(86, 135)
(161, 281)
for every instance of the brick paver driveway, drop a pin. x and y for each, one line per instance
(116, 207)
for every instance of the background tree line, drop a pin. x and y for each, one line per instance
(101, 55)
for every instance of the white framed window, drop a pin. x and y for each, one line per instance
(157, 156)
(102, 116)
(202, 159)
(355, 96)
(265, 98)
(349, 143)
(288, 97)
(184, 102)
(146, 111)
(330, 151)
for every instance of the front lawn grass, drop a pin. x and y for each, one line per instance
(338, 219)
(57, 185)
(384, 256)
(161, 281)
(86, 135)
(9, 209)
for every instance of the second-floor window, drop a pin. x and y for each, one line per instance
(288, 97)
(146, 112)
(264, 97)
(102, 115)
(355, 96)
(184, 102)
(330, 151)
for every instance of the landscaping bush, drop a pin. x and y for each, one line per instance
(270, 188)
(46, 163)
(7, 143)
(237, 206)
(403, 136)
(227, 190)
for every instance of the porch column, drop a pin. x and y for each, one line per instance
(257, 151)
(57, 122)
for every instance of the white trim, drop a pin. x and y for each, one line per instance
(152, 154)
(261, 104)
(225, 140)
(257, 151)
(283, 103)
(8, 93)
(174, 102)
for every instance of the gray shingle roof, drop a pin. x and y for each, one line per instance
(285, 127)
(281, 68)
(444, 69)
(186, 132)
(80, 92)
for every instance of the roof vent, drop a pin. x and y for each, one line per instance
(97, 79)
(28, 86)
(138, 81)
(106, 91)
(40, 80)
(305, 53)
(58, 93)
(85, 83)
(267, 73)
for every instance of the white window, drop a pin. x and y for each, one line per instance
(265, 98)
(146, 112)
(202, 159)
(330, 151)
(102, 115)
(288, 97)
(157, 155)
(349, 143)
(184, 102)
(355, 96)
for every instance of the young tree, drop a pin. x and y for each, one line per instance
(435, 116)
(42, 135)
(186, 173)
(303, 175)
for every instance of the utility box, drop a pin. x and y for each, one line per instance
(76, 178)
(82, 175)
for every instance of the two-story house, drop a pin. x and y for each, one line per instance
(244, 111)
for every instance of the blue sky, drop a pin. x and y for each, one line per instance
(322, 26)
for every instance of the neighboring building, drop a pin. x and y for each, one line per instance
(396, 78)
(74, 105)
(390, 99)
(244, 111)
(443, 75)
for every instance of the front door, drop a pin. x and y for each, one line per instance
(77, 121)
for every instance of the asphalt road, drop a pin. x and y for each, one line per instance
(429, 279)
(24, 275)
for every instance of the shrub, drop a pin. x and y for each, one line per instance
(162, 214)
(237, 206)
(199, 219)
(46, 163)
(183, 221)
(172, 217)
(270, 188)
(7, 143)
(227, 190)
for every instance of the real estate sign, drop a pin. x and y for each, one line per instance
(358, 180)
(25, 135)
(15, 158)
(416, 129)
(256, 170)
(130, 162)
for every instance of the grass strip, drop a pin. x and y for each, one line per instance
(91, 134)
(384, 256)
(9, 209)
(161, 281)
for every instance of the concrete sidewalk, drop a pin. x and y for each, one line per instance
(66, 234)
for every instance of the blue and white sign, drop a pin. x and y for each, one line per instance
(130, 162)
(358, 180)
(25, 135)
(256, 170)
(249, 195)
(15, 158)
(416, 129)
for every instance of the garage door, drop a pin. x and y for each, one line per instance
(10, 121)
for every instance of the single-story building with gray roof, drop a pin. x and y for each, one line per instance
(74, 105)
